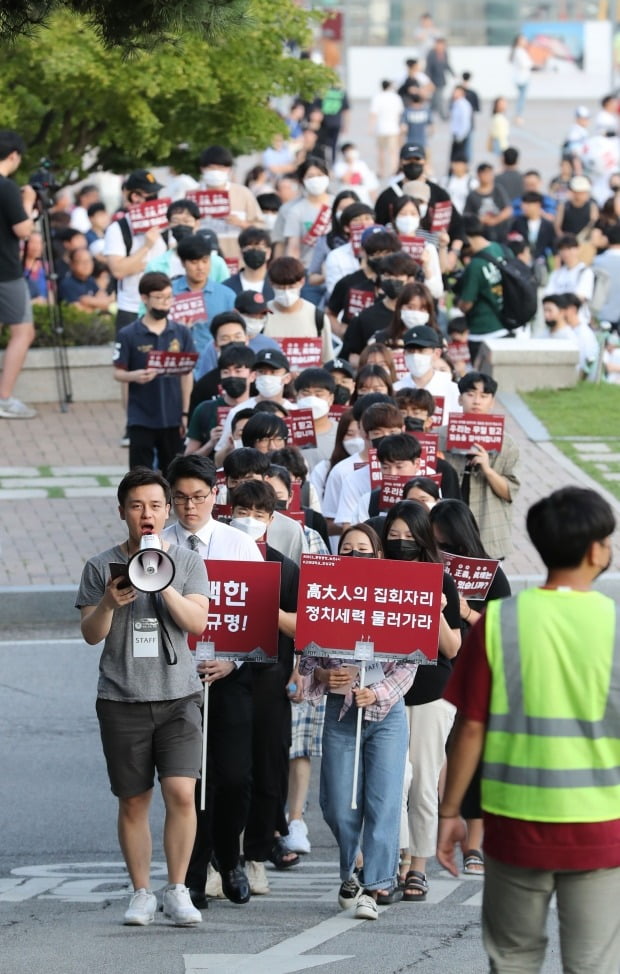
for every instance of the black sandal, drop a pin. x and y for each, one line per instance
(416, 887)
(278, 852)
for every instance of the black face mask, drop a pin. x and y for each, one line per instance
(158, 313)
(390, 287)
(376, 443)
(402, 550)
(254, 258)
(280, 505)
(234, 386)
(374, 263)
(341, 396)
(357, 554)
(181, 231)
(412, 170)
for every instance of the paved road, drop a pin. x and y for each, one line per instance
(63, 888)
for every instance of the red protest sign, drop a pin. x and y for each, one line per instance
(189, 307)
(301, 352)
(298, 516)
(358, 300)
(465, 429)
(221, 508)
(458, 352)
(392, 487)
(148, 215)
(335, 412)
(320, 226)
(213, 203)
(398, 355)
(355, 231)
(233, 264)
(399, 610)
(171, 363)
(376, 474)
(428, 443)
(414, 246)
(296, 496)
(244, 605)
(441, 216)
(437, 417)
(473, 577)
(221, 414)
(301, 427)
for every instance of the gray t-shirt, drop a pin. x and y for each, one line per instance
(121, 675)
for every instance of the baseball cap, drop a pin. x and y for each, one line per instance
(412, 151)
(272, 357)
(417, 189)
(582, 112)
(423, 337)
(143, 180)
(580, 184)
(210, 236)
(340, 365)
(251, 303)
(368, 232)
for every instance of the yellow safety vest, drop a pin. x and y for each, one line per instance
(552, 747)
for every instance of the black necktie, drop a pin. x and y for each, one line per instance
(194, 541)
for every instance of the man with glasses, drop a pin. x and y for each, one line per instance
(229, 741)
(158, 405)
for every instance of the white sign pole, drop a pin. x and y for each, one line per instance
(364, 652)
(204, 651)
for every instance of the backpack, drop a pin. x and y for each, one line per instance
(126, 234)
(520, 298)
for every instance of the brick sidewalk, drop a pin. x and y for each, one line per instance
(46, 539)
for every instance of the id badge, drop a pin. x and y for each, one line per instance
(145, 638)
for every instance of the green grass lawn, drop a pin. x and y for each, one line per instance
(586, 412)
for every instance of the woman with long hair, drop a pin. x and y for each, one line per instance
(406, 223)
(372, 378)
(414, 306)
(522, 66)
(349, 440)
(379, 354)
(408, 536)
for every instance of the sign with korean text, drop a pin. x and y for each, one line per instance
(189, 307)
(221, 414)
(395, 605)
(414, 246)
(358, 300)
(171, 363)
(398, 355)
(335, 411)
(428, 443)
(244, 605)
(392, 487)
(437, 418)
(148, 215)
(458, 352)
(441, 216)
(221, 508)
(302, 353)
(356, 230)
(465, 429)
(376, 474)
(473, 577)
(320, 226)
(301, 427)
(212, 203)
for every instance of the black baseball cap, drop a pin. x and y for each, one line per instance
(422, 336)
(412, 151)
(251, 303)
(340, 365)
(273, 358)
(143, 180)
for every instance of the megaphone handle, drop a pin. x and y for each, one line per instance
(203, 764)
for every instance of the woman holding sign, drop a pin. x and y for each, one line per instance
(406, 223)
(408, 536)
(374, 824)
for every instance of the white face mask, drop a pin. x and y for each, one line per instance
(269, 385)
(354, 444)
(352, 156)
(254, 326)
(407, 225)
(250, 526)
(286, 297)
(418, 364)
(237, 444)
(422, 209)
(318, 406)
(411, 318)
(316, 185)
(269, 219)
(215, 178)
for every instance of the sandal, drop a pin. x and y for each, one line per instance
(387, 897)
(280, 856)
(416, 887)
(473, 863)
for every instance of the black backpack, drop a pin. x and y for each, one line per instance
(520, 298)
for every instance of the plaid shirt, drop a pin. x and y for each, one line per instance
(398, 679)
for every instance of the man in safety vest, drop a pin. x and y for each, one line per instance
(537, 687)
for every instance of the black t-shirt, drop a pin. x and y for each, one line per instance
(430, 681)
(289, 584)
(11, 212)
(350, 295)
(363, 327)
(205, 388)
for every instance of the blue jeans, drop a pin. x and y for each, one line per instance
(521, 96)
(376, 820)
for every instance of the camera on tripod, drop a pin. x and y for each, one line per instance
(44, 183)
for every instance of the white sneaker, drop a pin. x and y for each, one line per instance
(141, 909)
(257, 878)
(366, 908)
(349, 893)
(16, 409)
(297, 839)
(214, 884)
(179, 907)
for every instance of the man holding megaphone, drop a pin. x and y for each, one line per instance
(141, 598)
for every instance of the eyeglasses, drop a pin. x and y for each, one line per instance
(196, 499)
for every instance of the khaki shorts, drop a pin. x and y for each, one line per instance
(138, 738)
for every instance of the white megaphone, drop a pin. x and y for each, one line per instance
(150, 569)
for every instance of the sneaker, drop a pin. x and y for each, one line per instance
(349, 893)
(297, 839)
(15, 409)
(366, 908)
(257, 877)
(214, 884)
(124, 440)
(141, 909)
(179, 907)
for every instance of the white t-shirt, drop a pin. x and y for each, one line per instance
(128, 296)
(440, 385)
(387, 108)
(333, 485)
(355, 486)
